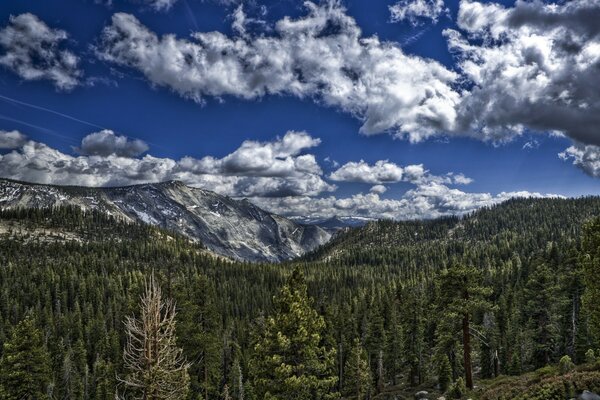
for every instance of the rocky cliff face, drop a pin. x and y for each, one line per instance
(233, 228)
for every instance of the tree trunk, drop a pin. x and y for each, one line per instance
(467, 352)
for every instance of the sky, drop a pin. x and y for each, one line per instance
(367, 109)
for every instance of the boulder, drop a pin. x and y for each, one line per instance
(422, 395)
(587, 395)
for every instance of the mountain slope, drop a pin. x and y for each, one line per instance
(512, 225)
(236, 229)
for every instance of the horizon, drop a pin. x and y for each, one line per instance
(472, 103)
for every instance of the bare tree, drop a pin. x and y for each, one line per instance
(157, 369)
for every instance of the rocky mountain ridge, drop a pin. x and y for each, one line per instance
(233, 228)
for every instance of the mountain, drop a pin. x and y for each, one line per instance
(516, 225)
(232, 228)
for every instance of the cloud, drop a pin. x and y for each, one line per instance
(429, 200)
(11, 139)
(322, 56)
(33, 51)
(161, 5)
(105, 143)
(278, 175)
(379, 189)
(586, 157)
(269, 169)
(533, 66)
(415, 11)
(384, 171)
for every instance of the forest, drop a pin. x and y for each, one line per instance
(496, 305)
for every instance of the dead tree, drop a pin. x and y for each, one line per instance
(156, 367)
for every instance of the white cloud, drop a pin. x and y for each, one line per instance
(32, 50)
(415, 11)
(382, 171)
(322, 55)
(533, 66)
(276, 168)
(586, 157)
(105, 143)
(161, 5)
(278, 175)
(11, 139)
(430, 200)
(379, 189)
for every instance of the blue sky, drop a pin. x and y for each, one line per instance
(126, 100)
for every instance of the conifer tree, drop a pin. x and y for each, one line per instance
(290, 360)
(156, 368)
(358, 374)
(591, 270)
(25, 366)
(461, 294)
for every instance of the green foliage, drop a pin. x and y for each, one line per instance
(290, 360)
(444, 373)
(377, 283)
(25, 365)
(458, 389)
(357, 372)
(590, 356)
(566, 365)
(591, 267)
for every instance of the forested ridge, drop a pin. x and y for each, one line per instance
(382, 310)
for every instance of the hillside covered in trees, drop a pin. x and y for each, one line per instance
(497, 305)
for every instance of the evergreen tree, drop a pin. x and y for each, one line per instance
(290, 361)
(25, 366)
(357, 372)
(591, 271)
(462, 294)
(199, 332)
(540, 295)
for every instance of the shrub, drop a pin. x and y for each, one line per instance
(566, 365)
(590, 357)
(457, 389)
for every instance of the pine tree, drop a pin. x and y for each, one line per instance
(199, 334)
(25, 366)
(290, 360)
(591, 270)
(461, 294)
(540, 302)
(156, 368)
(358, 374)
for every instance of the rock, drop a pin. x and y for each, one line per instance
(587, 395)
(422, 395)
(233, 228)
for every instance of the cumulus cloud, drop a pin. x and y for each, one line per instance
(429, 200)
(533, 66)
(415, 11)
(275, 168)
(379, 189)
(106, 143)
(11, 139)
(384, 171)
(322, 55)
(32, 50)
(278, 175)
(586, 157)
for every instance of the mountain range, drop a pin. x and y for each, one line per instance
(233, 228)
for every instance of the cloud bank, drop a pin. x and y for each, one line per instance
(278, 175)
